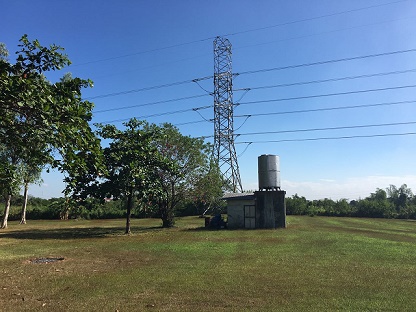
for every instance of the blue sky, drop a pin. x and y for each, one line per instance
(131, 45)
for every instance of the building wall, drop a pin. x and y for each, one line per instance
(264, 210)
(271, 209)
(235, 212)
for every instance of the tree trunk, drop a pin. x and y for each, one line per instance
(64, 214)
(168, 223)
(6, 212)
(166, 215)
(24, 206)
(129, 208)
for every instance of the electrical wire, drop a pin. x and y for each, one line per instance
(329, 138)
(242, 153)
(151, 103)
(148, 88)
(326, 109)
(312, 18)
(246, 116)
(328, 80)
(158, 114)
(238, 33)
(243, 123)
(328, 128)
(144, 52)
(249, 72)
(258, 44)
(265, 87)
(326, 95)
(323, 129)
(321, 33)
(195, 109)
(189, 123)
(312, 110)
(196, 80)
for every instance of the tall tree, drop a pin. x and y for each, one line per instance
(189, 159)
(210, 188)
(29, 174)
(44, 119)
(130, 159)
(4, 53)
(401, 199)
(9, 180)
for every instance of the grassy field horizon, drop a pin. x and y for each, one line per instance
(316, 264)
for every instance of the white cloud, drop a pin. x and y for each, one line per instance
(327, 180)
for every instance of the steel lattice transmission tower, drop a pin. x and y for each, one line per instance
(224, 150)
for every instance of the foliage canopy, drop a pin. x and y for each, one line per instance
(43, 122)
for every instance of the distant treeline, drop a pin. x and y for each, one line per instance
(392, 202)
(61, 208)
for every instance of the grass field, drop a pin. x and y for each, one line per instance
(316, 264)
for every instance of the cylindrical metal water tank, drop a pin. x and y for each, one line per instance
(269, 172)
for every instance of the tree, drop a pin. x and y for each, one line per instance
(401, 198)
(375, 206)
(42, 120)
(130, 160)
(296, 205)
(9, 180)
(188, 160)
(29, 174)
(209, 190)
(4, 53)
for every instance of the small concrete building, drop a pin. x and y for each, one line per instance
(263, 209)
(258, 210)
(241, 210)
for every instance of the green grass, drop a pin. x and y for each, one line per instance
(316, 264)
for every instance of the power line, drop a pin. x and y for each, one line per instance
(324, 129)
(149, 88)
(190, 122)
(329, 128)
(263, 43)
(159, 64)
(144, 52)
(328, 80)
(312, 18)
(276, 86)
(151, 103)
(263, 114)
(329, 138)
(237, 33)
(323, 33)
(263, 87)
(196, 80)
(249, 72)
(311, 110)
(160, 114)
(327, 109)
(326, 95)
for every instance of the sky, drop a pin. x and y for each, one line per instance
(326, 92)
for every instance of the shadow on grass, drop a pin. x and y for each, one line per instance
(75, 233)
(206, 229)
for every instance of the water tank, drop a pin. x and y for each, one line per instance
(269, 172)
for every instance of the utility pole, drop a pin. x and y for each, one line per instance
(224, 149)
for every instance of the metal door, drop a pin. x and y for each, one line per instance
(250, 216)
